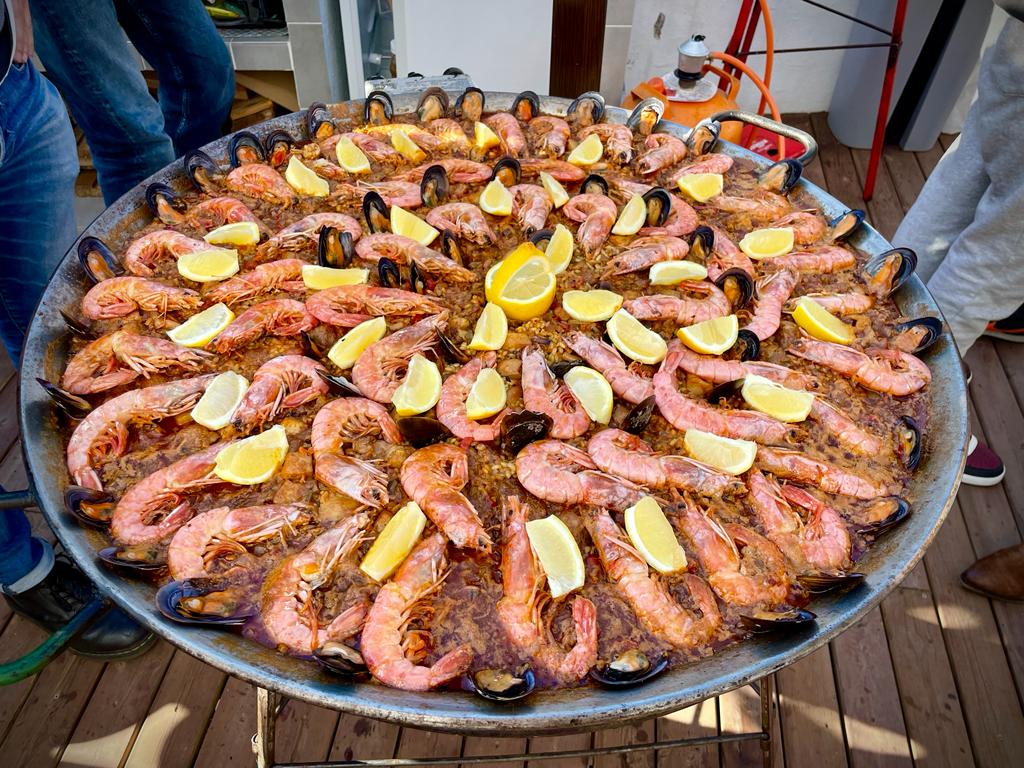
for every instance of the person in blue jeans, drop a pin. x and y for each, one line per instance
(38, 166)
(84, 45)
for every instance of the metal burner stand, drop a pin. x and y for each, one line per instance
(269, 704)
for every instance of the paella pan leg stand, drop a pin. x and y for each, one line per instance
(269, 703)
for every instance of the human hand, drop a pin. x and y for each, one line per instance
(23, 49)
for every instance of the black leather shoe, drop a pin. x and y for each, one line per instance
(52, 602)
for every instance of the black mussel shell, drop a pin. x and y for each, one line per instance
(98, 261)
(140, 558)
(201, 169)
(420, 431)
(378, 109)
(470, 103)
(434, 186)
(562, 367)
(450, 247)
(90, 507)
(181, 601)
(165, 203)
(826, 582)
(904, 269)
(748, 345)
(909, 441)
(452, 72)
(777, 621)
(782, 176)
(375, 212)
(526, 106)
(78, 327)
(432, 105)
(415, 74)
(542, 237)
(645, 116)
(659, 205)
(417, 282)
(74, 406)
(334, 248)
(702, 242)
(725, 391)
(703, 138)
(340, 659)
(389, 274)
(629, 668)
(245, 147)
(845, 224)
(339, 384)
(508, 170)
(884, 513)
(502, 685)
(738, 286)
(319, 124)
(639, 416)
(520, 428)
(277, 144)
(915, 336)
(587, 108)
(594, 184)
(451, 349)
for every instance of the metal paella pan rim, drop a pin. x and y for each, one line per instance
(886, 563)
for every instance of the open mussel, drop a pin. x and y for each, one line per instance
(136, 558)
(432, 105)
(659, 205)
(629, 668)
(562, 367)
(748, 345)
(916, 335)
(389, 274)
(818, 583)
(245, 147)
(594, 184)
(702, 242)
(98, 261)
(202, 170)
(639, 416)
(417, 280)
(721, 393)
(845, 224)
(450, 247)
(587, 108)
(335, 248)
(434, 186)
(542, 237)
(883, 514)
(420, 431)
(908, 441)
(503, 686)
(508, 171)
(703, 138)
(470, 104)
(520, 428)
(165, 203)
(319, 124)
(450, 349)
(890, 270)
(526, 106)
(206, 602)
(74, 406)
(375, 212)
(90, 507)
(340, 659)
(78, 327)
(781, 177)
(645, 116)
(777, 621)
(338, 384)
(277, 145)
(378, 109)
(738, 286)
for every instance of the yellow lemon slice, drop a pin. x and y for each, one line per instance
(554, 189)
(529, 290)
(420, 389)
(821, 323)
(253, 460)
(593, 391)
(218, 403)
(712, 337)
(652, 535)
(559, 554)
(502, 270)
(351, 157)
(349, 347)
(591, 306)
(235, 233)
(673, 272)
(587, 152)
(701, 186)
(632, 218)
(318, 278)
(395, 542)
(635, 340)
(410, 225)
(779, 402)
(491, 328)
(767, 243)
(496, 199)
(199, 330)
(304, 181)
(724, 453)
(560, 249)
(483, 137)
(487, 396)
(208, 266)
(407, 147)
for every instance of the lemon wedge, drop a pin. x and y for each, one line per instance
(304, 181)
(491, 328)
(593, 391)
(554, 189)
(235, 233)
(407, 147)
(779, 402)
(253, 460)
(591, 306)
(199, 330)
(674, 272)
(652, 535)
(412, 226)
(483, 137)
(529, 290)
(632, 218)
(218, 403)
(712, 337)
(496, 199)
(318, 278)
(395, 542)
(724, 453)
(208, 266)
(420, 389)
(701, 186)
(351, 157)
(560, 249)
(821, 323)
(487, 396)
(635, 340)
(587, 152)
(559, 554)
(502, 270)
(767, 243)
(349, 347)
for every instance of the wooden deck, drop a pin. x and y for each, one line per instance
(934, 677)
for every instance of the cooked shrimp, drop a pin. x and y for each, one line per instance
(513, 142)
(644, 252)
(807, 227)
(144, 252)
(451, 407)
(549, 135)
(459, 170)
(663, 151)
(276, 317)
(284, 382)
(465, 220)
(531, 205)
(348, 305)
(423, 139)
(772, 292)
(889, 371)
(405, 194)
(801, 468)
(380, 369)
(617, 140)
(718, 371)
(852, 303)
(725, 255)
(450, 134)
(284, 275)
(375, 149)
(627, 382)
(120, 296)
(758, 207)
(405, 250)
(555, 471)
(824, 259)
(681, 220)
(711, 163)
(543, 393)
(305, 233)
(216, 211)
(262, 181)
(597, 214)
(560, 170)
(846, 430)
(709, 303)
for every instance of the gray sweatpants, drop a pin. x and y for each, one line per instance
(967, 225)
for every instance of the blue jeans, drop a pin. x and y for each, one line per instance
(84, 46)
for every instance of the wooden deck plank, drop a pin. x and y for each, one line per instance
(487, 745)
(304, 732)
(690, 723)
(739, 711)
(812, 730)
(227, 738)
(928, 159)
(416, 743)
(905, 174)
(837, 165)
(19, 637)
(561, 743)
(813, 171)
(1012, 358)
(639, 733)
(359, 738)
(884, 206)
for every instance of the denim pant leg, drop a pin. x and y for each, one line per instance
(19, 552)
(87, 56)
(197, 79)
(38, 166)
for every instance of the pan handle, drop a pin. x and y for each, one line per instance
(17, 499)
(805, 139)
